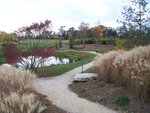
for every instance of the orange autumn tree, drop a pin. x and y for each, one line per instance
(98, 32)
(8, 37)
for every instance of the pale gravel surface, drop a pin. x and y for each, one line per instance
(56, 89)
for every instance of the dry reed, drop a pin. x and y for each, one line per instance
(16, 93)
(127, 68)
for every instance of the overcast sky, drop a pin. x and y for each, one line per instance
(69, 13)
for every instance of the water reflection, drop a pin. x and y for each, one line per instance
(24, 62)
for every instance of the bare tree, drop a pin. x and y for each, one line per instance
(83, 28)
(61, 32)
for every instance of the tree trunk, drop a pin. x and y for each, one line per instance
(83, 41)
(70, 41)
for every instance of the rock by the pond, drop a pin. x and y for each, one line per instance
(84, 77)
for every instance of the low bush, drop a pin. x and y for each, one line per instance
(119, 44)
(105, 41)
(87, 41)
(130, 69)
(121, 100)
(90, 41)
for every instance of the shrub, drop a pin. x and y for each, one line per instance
(105, 41)
(127, 44)
(77, 42)
(121, 100)
(89, 41)
(119, 44)
(16, 93)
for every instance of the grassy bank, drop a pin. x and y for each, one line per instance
(90, 70)
(60, 69)
(1, 60)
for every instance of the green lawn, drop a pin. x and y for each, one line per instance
(47, 42)
(1, 60)
(72, 55)
(103, 50)
(25, 43)
(60, 69)
(90, 70)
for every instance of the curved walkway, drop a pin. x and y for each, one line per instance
(56, 89)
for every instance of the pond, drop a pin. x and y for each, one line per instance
(38, 61)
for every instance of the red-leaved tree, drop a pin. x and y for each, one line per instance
(32, 36)
(33, 58)
(11, 53)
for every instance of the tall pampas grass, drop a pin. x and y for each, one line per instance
(15, 103)
(13, 79)
(103, 65)
(130, 69)
(16, 93)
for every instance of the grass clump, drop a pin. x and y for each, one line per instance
(122, 100)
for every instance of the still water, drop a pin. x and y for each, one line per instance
(52, 60)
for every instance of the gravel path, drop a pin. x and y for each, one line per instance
(56, 89)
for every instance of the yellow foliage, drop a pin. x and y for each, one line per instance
(55, 36)
(119, 44)
(98, 30)
(5, 37)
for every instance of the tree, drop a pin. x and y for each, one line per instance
(122, 31)
(110, 32)
(61, 32)
(71, 34)
(40, 30)
(8, 37)
(136, 17)
(33, 35)
(83, 28)
(31, 60)
(11, 53)
(98, 32)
